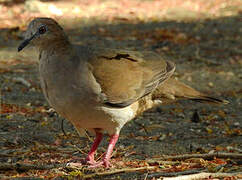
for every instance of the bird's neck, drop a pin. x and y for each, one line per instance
(61, 50)
(55, 46)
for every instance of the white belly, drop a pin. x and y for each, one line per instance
(104, 118)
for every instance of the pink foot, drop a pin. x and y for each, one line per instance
(91, 162)
(106, 164)
(90, 157)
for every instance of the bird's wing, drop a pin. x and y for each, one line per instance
(125, 76)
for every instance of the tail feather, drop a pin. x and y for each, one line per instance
(208, 99)
(173, 89)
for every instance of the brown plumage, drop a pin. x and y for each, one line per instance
(173, 89)
(101, 89)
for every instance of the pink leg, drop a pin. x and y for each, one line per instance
(90, 156)
(112, 142)
(105, 161)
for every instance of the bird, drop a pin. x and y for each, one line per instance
(101, 89)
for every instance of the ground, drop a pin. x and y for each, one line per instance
(203, 38)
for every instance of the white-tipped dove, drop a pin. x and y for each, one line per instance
(101, 89)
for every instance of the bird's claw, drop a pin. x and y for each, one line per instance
(104, 163)
(90, 162)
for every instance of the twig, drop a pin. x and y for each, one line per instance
(7, 155)
(26, 167)
(152, 161)
(203, 175)
(19, 178)
(160, 162)
(5, 177)
(125, 170)
(63, 130)
(62, 127)
(234, 149)
(198, 57)
(77, 148)
(22, 81)
(204, 156)
(170, 174)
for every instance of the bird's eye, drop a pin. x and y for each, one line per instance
(42, 29)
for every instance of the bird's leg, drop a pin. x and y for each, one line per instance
(90, 156)
(112, 142)
(108, 154)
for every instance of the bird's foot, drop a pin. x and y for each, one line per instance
(90, 162)
(82, 162)
(104, 163)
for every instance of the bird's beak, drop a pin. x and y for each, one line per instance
(25, 42)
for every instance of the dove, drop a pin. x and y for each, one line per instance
(101, 89)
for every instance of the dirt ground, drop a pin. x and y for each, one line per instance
(206, 47)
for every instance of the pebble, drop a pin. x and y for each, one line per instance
(22, 81)
(237, 124)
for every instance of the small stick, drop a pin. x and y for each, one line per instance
(62, 127)
(118, 171)
(26, 167)
(204, 175)
(204, 156)
(171, 174)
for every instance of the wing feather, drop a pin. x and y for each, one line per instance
(126, 76)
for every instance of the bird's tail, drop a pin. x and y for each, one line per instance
(173, 89)
(208, 99)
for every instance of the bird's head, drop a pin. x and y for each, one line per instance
(42, 32)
